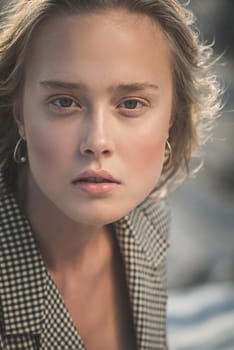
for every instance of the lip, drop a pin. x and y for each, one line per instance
(99, 174)
(96, 188)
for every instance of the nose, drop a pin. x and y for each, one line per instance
(96, 136)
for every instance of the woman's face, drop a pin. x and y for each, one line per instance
(97, 98)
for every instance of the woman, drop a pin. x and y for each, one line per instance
(102, 104)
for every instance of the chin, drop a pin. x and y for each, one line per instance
(93, 219)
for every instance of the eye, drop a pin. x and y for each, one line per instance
(132, 104)
(64, 102)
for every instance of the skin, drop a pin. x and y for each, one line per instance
(123, 131)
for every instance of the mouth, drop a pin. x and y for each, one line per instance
(96, 183)
(91, 176)
(94, 180)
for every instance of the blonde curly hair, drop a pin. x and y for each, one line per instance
(196, 90)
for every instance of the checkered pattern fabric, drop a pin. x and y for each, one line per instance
(33, 315)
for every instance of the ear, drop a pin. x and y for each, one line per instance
(18, 117)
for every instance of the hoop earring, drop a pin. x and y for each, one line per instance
(168, 155)
(19, 159)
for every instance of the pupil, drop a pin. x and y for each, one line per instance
(65, 102)
(131, 104)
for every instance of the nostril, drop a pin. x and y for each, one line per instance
(88, 151)
(100, 149)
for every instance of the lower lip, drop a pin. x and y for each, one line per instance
(95, 188)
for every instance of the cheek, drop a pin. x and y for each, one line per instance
(149, 156)
(147, 146)
(145, 164)
(45, 146)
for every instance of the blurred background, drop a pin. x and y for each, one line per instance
(201, 256)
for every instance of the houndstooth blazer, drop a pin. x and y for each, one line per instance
(33, 315)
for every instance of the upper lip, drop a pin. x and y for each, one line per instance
(103, 174)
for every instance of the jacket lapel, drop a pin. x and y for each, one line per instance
(143, 242)
(22, 303)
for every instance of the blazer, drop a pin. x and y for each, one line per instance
(33, 315)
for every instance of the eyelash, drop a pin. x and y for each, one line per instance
(143, 104)
(72, 100)
(53, 102)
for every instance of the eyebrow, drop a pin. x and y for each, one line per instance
(124, 88)
(53, 84)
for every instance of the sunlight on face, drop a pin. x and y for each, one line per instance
(97, 96)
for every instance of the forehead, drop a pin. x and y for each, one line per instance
(110, 43)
